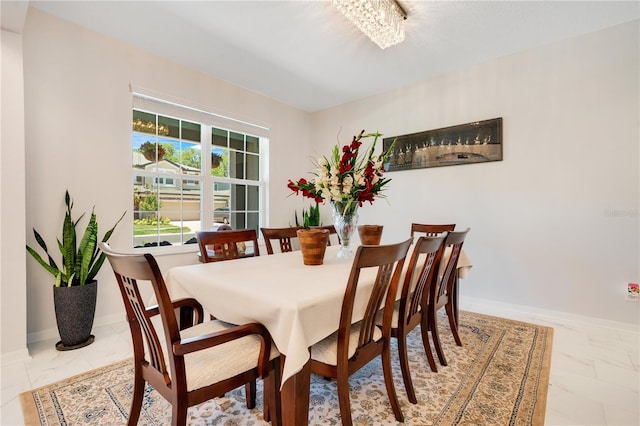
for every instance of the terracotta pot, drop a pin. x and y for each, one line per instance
(313, 244)
(370, 234)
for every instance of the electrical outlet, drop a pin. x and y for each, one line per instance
(633, 292)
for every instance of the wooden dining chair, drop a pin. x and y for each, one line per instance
(443, 291)
(431, 229)
(422, 271)
(198, 363)
(283, 235)
(223, 227)
(353, 346)
(226, 244)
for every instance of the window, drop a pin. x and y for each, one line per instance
(235, 168)
(176, 190)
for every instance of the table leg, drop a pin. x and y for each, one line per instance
(295, 398)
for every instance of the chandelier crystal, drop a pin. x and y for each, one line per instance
(381, 20)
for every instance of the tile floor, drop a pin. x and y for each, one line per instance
(595, 370)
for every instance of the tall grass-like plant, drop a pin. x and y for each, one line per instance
(80, 263)
(310, 217)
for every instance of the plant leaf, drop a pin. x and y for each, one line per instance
(86, 249)
(97, 258)
(68, 245)
(42, 244)
(79, 265)
(53, 270)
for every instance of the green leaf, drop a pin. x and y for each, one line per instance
(80, 265)
(68, 245)
(97, 258)
(86, 249)
(96, 267)
(39, 239)
(53, 270)
(42, 244)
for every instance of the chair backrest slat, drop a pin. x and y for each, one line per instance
(130, 269)
(225, 244)
(420, 276)
(376, 301)
(283, 235)
(389, 259)
(431, 230)
(453, 242)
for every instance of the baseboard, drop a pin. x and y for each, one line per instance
(52, 333)
(15, 356)
(466, 303)
(471, 303)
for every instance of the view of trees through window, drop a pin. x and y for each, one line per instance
(177, 192)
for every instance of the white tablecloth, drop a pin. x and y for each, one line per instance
(299, 304)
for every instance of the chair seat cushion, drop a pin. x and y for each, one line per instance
(326, 350)
(394, 318)
(220, 362)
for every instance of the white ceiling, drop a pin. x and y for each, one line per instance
(306, 54)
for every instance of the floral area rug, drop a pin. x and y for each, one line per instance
(498, 377)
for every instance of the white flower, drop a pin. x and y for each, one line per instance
(332, 185)
(336, 194)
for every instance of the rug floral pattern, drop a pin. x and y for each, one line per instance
(498, 377)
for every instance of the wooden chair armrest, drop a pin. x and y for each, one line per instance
(205, 341)
(153, 310)
(186, 302)
(190, 302)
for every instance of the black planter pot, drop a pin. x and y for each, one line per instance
(75, 309)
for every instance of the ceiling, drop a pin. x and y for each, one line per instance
(306, 54)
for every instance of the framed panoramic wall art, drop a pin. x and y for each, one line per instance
(477, 142)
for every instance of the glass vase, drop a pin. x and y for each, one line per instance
(345, 220)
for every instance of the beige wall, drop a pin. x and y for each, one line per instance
(13, 292)
(554, 225)
(78, 109)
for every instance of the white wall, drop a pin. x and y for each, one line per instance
(555, 225)
(78, 130)
(13, 293)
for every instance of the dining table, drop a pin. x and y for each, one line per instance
(298, 304)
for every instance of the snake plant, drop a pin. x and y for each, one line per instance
(80, 263)
(310, 217)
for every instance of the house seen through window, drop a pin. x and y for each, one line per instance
(178, 190)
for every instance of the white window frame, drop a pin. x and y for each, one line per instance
(144, 100)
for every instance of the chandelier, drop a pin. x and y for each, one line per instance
(381, 20)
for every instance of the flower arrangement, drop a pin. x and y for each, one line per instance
(346, 178)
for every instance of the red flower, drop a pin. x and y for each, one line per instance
(344, 177)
